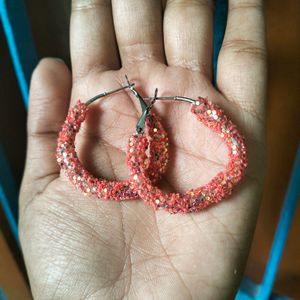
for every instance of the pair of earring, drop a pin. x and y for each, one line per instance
(147, 157)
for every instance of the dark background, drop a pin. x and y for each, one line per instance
(50, 26)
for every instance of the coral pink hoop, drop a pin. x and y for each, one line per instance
(220, 187)
(83, 180)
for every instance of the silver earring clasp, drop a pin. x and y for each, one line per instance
(88, 102)
(177, 98)
(140, 127)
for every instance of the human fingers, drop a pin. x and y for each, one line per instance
(241, 69)
(138, 26)
(188, 34)
(92, 37)
(48, 105)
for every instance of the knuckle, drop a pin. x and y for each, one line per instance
(209, 4)
(246, 5)
(250, 48)
(78, 5)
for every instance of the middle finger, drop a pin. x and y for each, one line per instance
(138, 27)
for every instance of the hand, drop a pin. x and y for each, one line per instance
(83, 248)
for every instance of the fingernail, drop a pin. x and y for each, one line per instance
(58, 59)
(46, 59)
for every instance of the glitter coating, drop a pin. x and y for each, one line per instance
(217, 189)
(89, 185)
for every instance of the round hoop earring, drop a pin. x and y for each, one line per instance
(218, 188)
(82, 179)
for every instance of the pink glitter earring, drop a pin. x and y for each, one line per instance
(220, 187)
(82, 179)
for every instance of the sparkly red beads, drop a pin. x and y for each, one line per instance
(84, 181)
(220, 187)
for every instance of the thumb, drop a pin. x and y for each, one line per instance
(49, 96)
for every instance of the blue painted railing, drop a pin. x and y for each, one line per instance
(2, 295)
(21, 46)
(20, 42)
(220, 19)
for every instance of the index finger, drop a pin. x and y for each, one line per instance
(92, 37)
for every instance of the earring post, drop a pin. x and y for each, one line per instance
(108, 93)
(144, 106)
(177, 98)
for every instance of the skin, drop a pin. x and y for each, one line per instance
(83, 248)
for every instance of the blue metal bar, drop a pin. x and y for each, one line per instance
(263, 291)
(20, 42)
(284, 224)
(8, 183)
(242, 295)
(8, 194)
(12, 221)
(249, 288)
(220, 20)
(2, 295)
(21, 46)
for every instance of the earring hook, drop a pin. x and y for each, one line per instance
(177, 98)
(88, 102)
(140, 127)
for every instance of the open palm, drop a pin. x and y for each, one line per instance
(84, 248)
